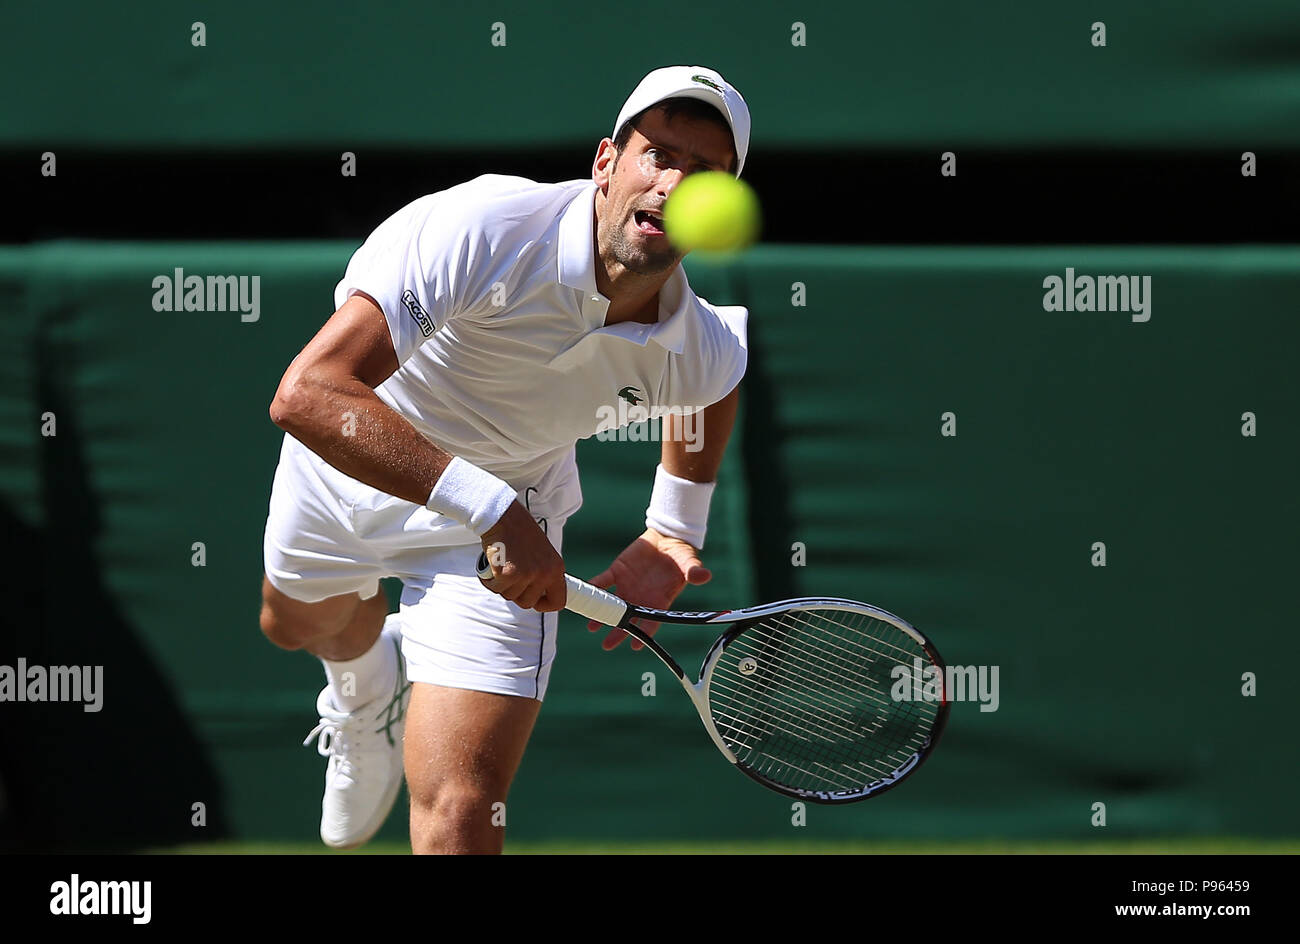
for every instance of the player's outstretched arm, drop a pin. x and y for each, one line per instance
(657, 566)
(326, 400)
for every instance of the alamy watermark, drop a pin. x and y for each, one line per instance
(78, 896)
(1128, 293)
(181, 292)
(925, 682)
(631, 421)
(70, 683)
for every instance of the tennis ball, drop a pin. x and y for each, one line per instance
(713, 211)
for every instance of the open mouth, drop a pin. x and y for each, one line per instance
(649, 222)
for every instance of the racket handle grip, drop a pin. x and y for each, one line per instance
(593, 602)
(584, 599)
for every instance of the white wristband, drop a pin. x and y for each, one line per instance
(474, 497)
(679, 508)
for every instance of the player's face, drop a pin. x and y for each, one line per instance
(657, 156)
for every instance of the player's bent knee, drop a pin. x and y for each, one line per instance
(281, 632)
(282, 626)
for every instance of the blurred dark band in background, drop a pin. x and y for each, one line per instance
(875, 197)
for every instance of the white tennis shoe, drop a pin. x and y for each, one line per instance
(364, 772)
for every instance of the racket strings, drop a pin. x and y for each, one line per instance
(803, 670)
(816, 664)
(804, 699)
(796, 713)
(832, 708)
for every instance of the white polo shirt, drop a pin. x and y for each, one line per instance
(489, 290)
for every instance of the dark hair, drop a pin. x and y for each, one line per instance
(691, 108)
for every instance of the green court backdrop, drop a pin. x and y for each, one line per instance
(818, 74)
(1119, 684)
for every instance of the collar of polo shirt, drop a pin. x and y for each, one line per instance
(576, 256)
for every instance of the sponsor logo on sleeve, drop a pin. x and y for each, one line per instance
(418, 313)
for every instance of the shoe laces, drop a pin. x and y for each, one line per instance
(331, 737)
(340, 735)
(341, 741)
(337, 734)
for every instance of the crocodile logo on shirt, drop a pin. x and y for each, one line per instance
(630, 395)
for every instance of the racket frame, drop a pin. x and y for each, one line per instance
(737, 622)
(604, 607)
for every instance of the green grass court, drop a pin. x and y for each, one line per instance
(1179, 846)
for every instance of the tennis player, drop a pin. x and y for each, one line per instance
(478, 334)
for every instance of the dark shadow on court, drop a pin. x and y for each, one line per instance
(125, 777)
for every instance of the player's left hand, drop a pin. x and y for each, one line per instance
(651, 571)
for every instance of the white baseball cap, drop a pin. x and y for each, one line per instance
(692, 82)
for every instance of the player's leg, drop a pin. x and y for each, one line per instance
(462, 750)
(339, 628)
(321, 594)
(361, 708)
(479, 665)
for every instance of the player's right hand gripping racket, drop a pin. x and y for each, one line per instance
(799, 694)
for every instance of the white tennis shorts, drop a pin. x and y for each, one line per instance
(328, 534)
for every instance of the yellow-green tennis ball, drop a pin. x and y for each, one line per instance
(712, 211)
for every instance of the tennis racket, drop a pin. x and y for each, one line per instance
(799, 694)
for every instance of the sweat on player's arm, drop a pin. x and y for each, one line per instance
(658, 565)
